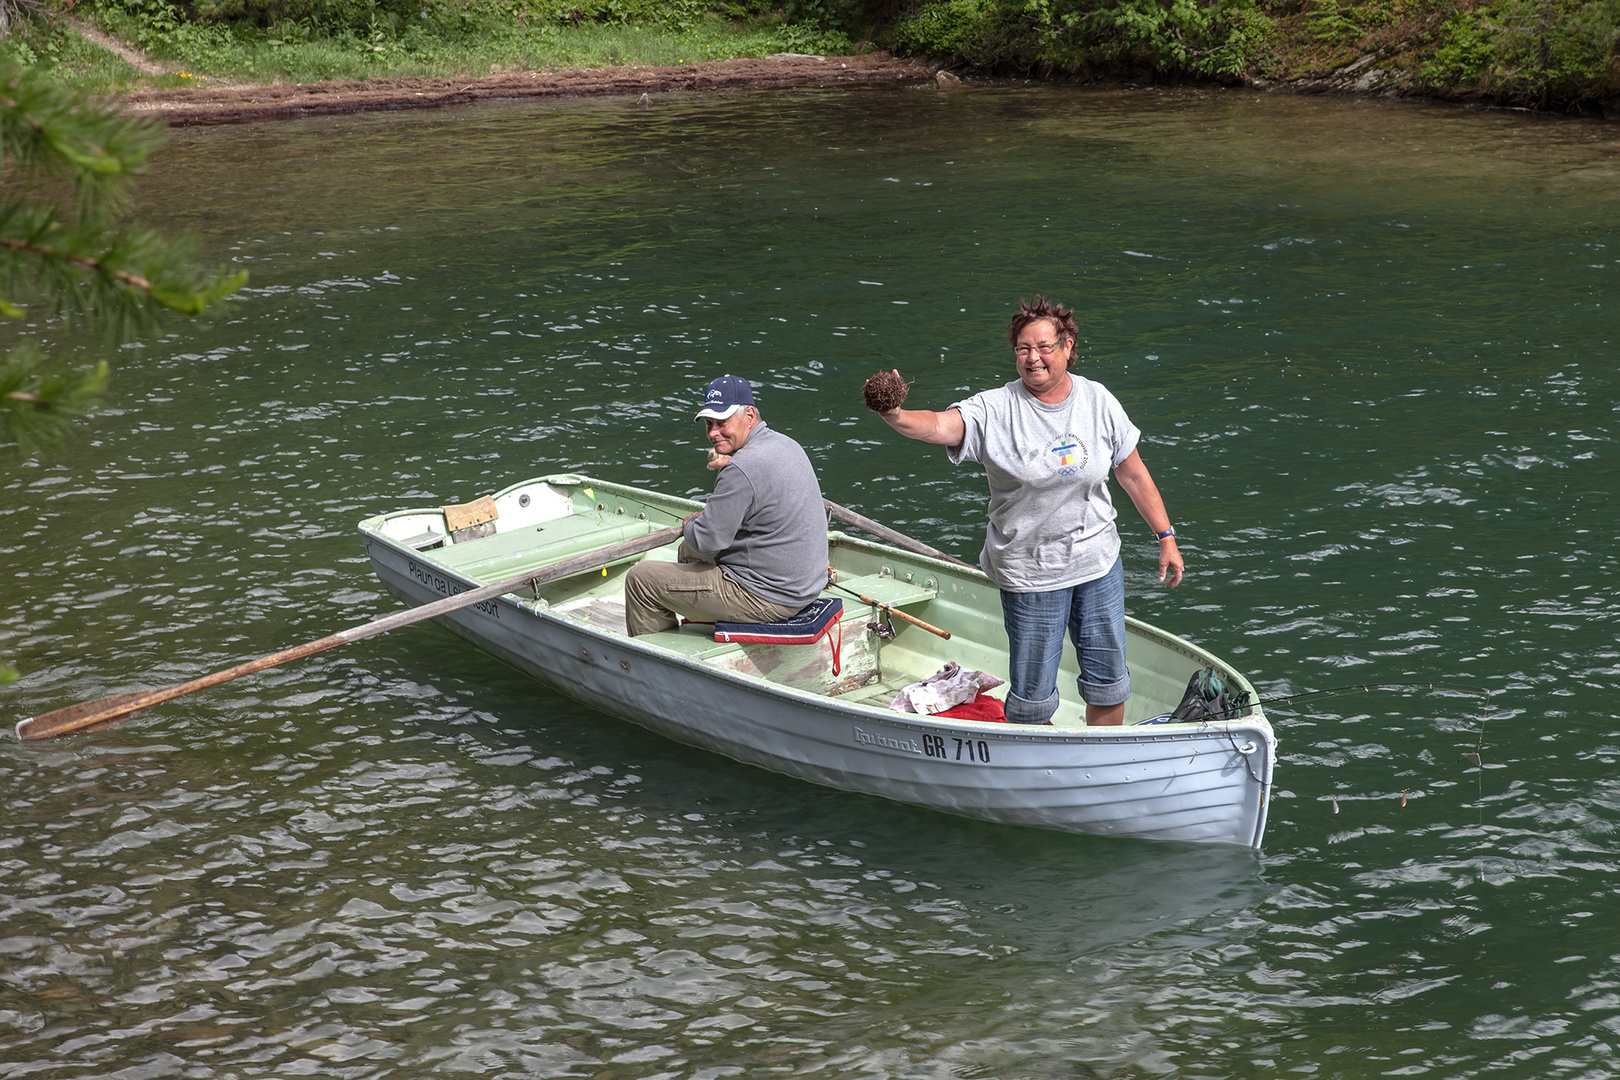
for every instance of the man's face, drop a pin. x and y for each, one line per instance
(727, 436)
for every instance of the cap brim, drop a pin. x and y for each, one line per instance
(718, 414)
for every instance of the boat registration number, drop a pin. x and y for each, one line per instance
(942, 747)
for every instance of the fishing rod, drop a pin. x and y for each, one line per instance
(1238, 704)
(890, 610)
(1209, 698)
(1354, 688)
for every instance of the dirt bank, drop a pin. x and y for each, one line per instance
(242, 104)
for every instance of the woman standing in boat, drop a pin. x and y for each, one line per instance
(1047, 441)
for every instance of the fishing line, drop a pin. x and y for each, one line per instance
(1476, 758)
(1355, 688)
(1240, 705)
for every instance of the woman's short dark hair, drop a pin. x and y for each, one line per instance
(1041, 309)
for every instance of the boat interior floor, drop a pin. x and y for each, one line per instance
(696, 641)
(605, 613)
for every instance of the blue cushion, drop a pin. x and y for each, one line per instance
(805, 627)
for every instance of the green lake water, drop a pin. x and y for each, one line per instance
(1372, 351)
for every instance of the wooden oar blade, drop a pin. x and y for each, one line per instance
(107, 725)
(106, 711)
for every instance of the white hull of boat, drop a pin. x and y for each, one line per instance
(1190, 782)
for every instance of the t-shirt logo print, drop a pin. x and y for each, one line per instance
(1070, 455)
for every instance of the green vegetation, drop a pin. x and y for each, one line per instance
(66, 166)
(1537, 52)
(1087, 37)
(315, 40)
(1543, 53)
(320, 39)
(51, 43)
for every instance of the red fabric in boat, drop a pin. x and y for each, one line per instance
(984, 707)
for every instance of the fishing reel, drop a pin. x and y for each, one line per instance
(882, 625)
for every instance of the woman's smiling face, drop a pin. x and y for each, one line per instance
(1042, 354)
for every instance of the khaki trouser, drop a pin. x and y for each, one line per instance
(656, 593)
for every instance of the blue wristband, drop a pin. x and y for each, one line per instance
(1165, 535)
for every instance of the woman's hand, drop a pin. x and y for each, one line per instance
(940, 428)
(1170, 564)
(885, 392)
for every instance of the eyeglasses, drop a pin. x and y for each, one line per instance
(1044, 348)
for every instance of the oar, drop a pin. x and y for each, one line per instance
(883, 532)
(123, 706)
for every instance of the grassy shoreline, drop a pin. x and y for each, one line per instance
(109, 53)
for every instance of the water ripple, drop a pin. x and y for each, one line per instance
(1375, 388)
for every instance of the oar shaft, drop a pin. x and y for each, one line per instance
(883, 532)
(120, 706)
(74, 717)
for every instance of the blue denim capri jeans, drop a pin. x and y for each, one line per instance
(1093, 613)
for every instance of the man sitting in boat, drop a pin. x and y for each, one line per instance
(757, 551)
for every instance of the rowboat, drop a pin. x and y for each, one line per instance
(821, 711)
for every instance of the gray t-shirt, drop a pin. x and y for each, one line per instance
(1051, 517)
(765, 525)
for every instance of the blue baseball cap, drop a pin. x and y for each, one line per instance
(725, 396)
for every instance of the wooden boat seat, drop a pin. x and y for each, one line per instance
(775, 661)
(893, 591)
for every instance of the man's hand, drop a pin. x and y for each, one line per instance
(718, 460)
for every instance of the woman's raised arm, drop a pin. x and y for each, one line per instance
(940, 428)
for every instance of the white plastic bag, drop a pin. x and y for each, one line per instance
(947, 688)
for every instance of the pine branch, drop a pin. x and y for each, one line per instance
(50, 131)
(39, 406)
(134, 281)
(114, 274)
(59, 147)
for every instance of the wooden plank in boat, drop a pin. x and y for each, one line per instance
(471, 521)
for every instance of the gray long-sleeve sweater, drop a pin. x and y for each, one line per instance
(765, 525)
